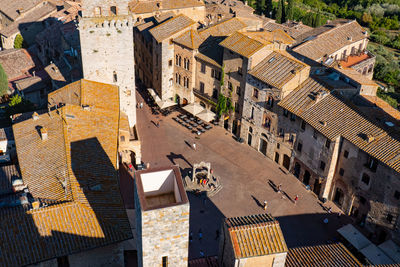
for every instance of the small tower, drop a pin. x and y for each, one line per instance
(106, 35)
(162, 218)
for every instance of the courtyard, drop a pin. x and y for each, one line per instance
(247, 177)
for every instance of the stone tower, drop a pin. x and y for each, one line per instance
(106, 35)
(162, 218)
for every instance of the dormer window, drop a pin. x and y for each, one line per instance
(113, 10)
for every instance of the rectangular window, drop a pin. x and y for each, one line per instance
(213, 73)
(322, 165)
(362, 200)
(365, 179)
(303, 125)
(389, 218)
(372, 164)
(238, 90)
(346, 154)
(236, 106)
(170, 63)
(240, 71)
(255, 93)
(292, 117)
(203, 68)
(230, 86)
(201, 87)
(299, 146)
(165, 261)
(396, 194)
(328, 143)
(285, 113)
(122, 138)
(115, 77)
(341, 172)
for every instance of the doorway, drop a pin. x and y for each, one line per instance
(249, 139)
(338, 199)
(185, 102)
(226, 124)
(306, 178)
(297, 169)
(317, 187)
(177, 99)
(263, 146)
(286, 161)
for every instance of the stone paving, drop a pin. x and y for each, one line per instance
(245, 174)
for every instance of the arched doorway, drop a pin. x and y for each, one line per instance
(306, 177)
(249, 137)
(184, 101)
(338, 198)
(234, 127)
(286, 161)
(317, 187)
(297, 169)
(177, 99)
(263, 146)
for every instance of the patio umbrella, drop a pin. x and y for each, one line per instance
(193, 108)
(165, 103)
(206, 115)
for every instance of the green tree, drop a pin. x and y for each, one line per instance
(3, 81)
(269, 8)
(261, 6)
(221, 105)
(18, 105)
(278, 14)
(283, 19)
(19, 41)
(317, 21)
(289, 10)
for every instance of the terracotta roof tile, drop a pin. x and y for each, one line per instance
(171, 27)
(321, 256)
(331, 40)
(190, 39)
(243, 44)
(76, 165)
(140, 7)
(331, 115)
(255, 235)
(16, 62)
(277, 69)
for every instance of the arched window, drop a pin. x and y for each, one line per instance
(176, 77)
(179, 78)
(250, 129)
(177, 60)
(115, 78)
(180, 61)
(113, 10)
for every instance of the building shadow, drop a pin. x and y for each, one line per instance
(173, 157)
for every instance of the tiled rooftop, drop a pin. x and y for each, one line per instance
(11, 7)
(317, 46)
(75, 166)
(331, 115)
(331, 255)
(243, 44)
(255, 235)
(293, 30)
(277, 69)
(8, 173)
(190, 39)
(353, 60)
(140, 7)
(9, 58)
(171, 27)
(223, 28)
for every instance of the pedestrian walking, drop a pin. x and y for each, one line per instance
(265, 205)
(330, 210)
(194, 146)
(141, 104)
(279, 188)
(130, 167)
(295, 199)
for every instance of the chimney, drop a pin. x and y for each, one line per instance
(369, 138)
(35, 116)
(43, 133)
(36, 205)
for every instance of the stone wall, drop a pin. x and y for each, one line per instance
(143, 59)
(108, 57)
(97, 8)
(180, 90)
(370, 204)
(197, 13)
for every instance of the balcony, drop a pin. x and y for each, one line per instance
(204, 96)
(354, 59)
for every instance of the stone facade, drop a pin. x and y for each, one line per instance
(107, 50)
(207, 96)
(184, 73)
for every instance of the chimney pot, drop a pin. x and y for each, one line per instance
(43, 133)
(35, 205)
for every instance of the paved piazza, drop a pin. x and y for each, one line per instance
(244, 174)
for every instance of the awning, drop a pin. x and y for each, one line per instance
(206, 115)
(151, 92)
(355, 238)
(193, 108)
(165, 103)
(391, 249)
